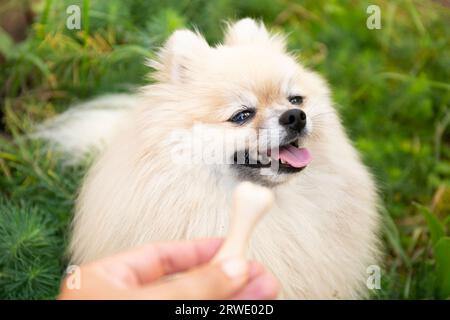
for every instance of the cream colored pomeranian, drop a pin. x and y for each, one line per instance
(321, 234)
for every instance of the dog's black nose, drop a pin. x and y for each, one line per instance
(294, 119)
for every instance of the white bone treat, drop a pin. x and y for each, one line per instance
(250, 203)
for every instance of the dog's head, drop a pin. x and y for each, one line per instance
(257, 106)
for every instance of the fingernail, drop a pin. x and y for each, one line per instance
(235, 268)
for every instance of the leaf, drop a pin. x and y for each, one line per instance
(447, 221)
(38, 62)
(436, 227)
(393, 237)
(6, 45)
(442, 256)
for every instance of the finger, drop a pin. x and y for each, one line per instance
(213, 281)
(262, 287)
(149, 262)
(261, 284)
(256, 269)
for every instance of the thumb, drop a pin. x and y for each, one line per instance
(212, 281)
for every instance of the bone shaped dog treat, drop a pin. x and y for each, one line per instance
(250, 203)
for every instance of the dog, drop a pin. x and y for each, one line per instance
(323, 231)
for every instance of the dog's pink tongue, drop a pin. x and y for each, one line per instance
(295, 157)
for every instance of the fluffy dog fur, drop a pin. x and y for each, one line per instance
(321, 234)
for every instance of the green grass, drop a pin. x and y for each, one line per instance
(391, 87)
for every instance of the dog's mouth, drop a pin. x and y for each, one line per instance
(291, 158)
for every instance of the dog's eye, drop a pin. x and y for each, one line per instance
(297, 100)
(242, 116)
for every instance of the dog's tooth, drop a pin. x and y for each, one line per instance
(282, 161)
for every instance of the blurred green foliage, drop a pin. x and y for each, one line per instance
(390, 85)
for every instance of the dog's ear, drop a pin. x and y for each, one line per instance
(248, 31)
(183, 51)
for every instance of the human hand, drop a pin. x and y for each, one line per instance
(145, 273)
